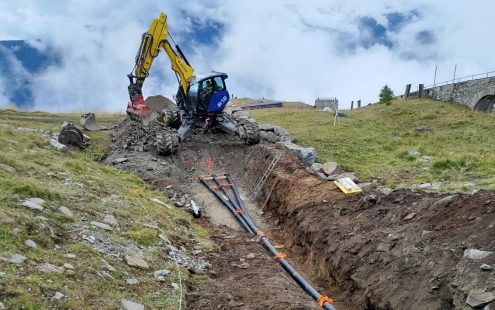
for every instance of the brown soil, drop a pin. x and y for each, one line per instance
(359, 249)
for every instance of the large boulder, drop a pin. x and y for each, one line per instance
(306, 154)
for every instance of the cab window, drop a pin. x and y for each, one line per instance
(193, 95)
(218, 83)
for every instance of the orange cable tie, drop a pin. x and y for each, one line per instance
(260, 234)
(280, 255)
(239, 211)
(324, 299)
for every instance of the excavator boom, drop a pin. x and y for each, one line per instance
(155, 39)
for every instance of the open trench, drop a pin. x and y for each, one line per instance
(367, 251)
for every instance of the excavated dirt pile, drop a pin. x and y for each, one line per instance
(405, 250)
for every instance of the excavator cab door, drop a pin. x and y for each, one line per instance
(220, 96)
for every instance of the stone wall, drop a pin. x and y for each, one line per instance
(466, 93)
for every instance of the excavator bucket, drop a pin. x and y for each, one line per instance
(71, 135)
(158, 103)
(88, 122)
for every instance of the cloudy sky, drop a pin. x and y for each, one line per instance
(284, 50)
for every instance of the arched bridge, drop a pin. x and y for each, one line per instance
(476, 92)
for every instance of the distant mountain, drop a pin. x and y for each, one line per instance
(20, 62)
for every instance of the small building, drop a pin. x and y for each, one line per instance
(327, 104)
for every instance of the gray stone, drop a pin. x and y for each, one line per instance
(49, 268)
(110, 219)
(306, 154)
(316, 167)
(131, 305)
(2, 306)
(271, 137)
(478, 299)
(119, 160)
(66, 211)
(58, 296)
(31, 205)
(58, 146)
(2, 274)
(137, 262)
(335, 177)
(426, 233)
(70, 255)
(16, 259)
(250, 256)
(410, 216)
(131, 281)
(385, 190)
(476, 254)
(68, 266)
(486, 267)
(425, 159)
(444, 202)
(383, 247)
(158, 201)
(31, 244)
(101, 225)
(263, 135)
(8, 168)
(330, 168)
(162, 274)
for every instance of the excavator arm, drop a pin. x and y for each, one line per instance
(155, 39)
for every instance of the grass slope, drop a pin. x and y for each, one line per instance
(381, 140)
(91, 191)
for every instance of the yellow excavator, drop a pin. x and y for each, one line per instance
(200, 101)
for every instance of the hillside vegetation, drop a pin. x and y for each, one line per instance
(71, 260)
(408, 142)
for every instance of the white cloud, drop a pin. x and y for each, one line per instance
(288, 50)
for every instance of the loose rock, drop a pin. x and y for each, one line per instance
(70, 255)
(131, 281)
(330, 168)
(14, 259)
(68, 266)
(444, 202)
(49, 268)
(250, 256)
(162, 274)
(120, 160)
(306, 154)
(158, 201)
(65, 211)
(8, 168)
(58, 146)
(131, 305)
(486, 267)
(137, 262)
(58, 296)
(31, 244)
(101, 225)
(110, 219)
(476, 254)
(477, 298)
(32, 205)
(410, 216)
(2, 306)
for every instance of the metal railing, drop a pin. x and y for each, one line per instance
(473, 77)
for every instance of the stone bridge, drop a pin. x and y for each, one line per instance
(477, 94)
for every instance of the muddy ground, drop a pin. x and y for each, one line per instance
(368, 251)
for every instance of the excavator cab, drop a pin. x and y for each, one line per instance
(208, 96)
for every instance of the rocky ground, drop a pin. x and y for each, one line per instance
(402, 249)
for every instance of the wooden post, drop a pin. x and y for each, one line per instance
(359, 103)
(352, 105)
(408, 91)
(420, 90)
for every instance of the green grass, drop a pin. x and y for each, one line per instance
(90, 190)
(379, 140)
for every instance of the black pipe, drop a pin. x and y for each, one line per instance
(230, 207)
(248, 224)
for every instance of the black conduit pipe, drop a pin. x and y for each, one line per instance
(236, 206)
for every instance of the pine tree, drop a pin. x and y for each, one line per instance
(386, 94)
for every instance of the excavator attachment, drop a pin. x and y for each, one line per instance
(71, 135)
(88, 122)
